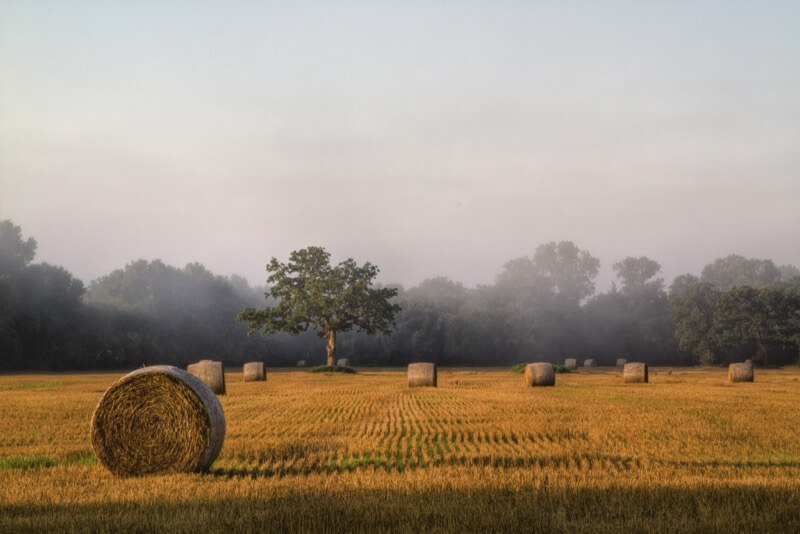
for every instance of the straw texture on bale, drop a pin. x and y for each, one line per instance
(212, 373)
(589, 363)
(342, 362)
(301, 363)
(635, 373)
(254, 372)
(571, 364)
(157, 419)
(540, 374)
(421, 374)
(621, 362)
(740, 372)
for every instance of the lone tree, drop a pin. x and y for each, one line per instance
(330, 299)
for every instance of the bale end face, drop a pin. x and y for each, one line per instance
(571, 364)
(212, 373)
(621, 362)
(740, 372)
(254, 372)
(421, 375)
(157, 420)
(635, 373)
(589, 363)
(540, 374)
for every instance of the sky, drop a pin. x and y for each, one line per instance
(429, 138)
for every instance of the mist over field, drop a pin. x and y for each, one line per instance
(431, 140)
(540, 179)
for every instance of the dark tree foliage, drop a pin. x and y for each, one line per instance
(309, 292)
(540, 308)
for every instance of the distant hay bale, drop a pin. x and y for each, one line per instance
(621, 362)
(210, 372)
(157, 419)
(254, 372)
(343, 362)
(540, 374)
(589, 363)
(740, 372)
(421, 375)
(635, 373)
(301, 363)
(571, 364)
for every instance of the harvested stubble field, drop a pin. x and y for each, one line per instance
(303, 452)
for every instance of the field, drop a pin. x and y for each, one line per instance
(307, 452)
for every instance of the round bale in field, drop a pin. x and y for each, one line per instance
(421, 375)
(212, 373)
(589, 363)
(571, 364)
(157, 419)
(301, 363)
(343, 362)
(621, 362)
(635, 373)
(540, 374)
(740, 372)
(254, 372)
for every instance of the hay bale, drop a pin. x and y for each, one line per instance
(621, 362)
(254, 372)
(343, 362)
(740, 372)
(540, 374)
(421, 375)
(301, 363)
(157, 419)
(571, 364)
(589, 363)
(635, 373)
(210, 372)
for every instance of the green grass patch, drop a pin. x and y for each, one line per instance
(331, 369)
(519, 368)
(561, 369)
(32, 385)
(26, 462)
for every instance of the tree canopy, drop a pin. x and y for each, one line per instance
(312, 293)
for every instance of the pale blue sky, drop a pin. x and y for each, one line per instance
(431, 138)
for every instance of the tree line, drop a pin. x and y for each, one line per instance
(541, 307)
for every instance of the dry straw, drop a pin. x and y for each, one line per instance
(589, 363)
(157, 419)
(740, 372)
(343, 362)
(421, 374)
(212, 373)
(635, 373)
(571, 364)
(254, 372)
(621, 362)
(540, 374)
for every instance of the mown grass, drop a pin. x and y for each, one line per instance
(364, 453)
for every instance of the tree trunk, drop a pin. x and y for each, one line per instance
(331, 348)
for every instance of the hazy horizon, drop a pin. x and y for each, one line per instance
(428, 139)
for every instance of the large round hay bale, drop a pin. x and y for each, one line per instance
(540, 374)
(254, 372)
(210, 372)
(301, 363)
(571, 364)
(421, 374)
(589, 363)
(343, 362)
(740, 372)
(621, 362)
(157, 419)
(635, 373)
